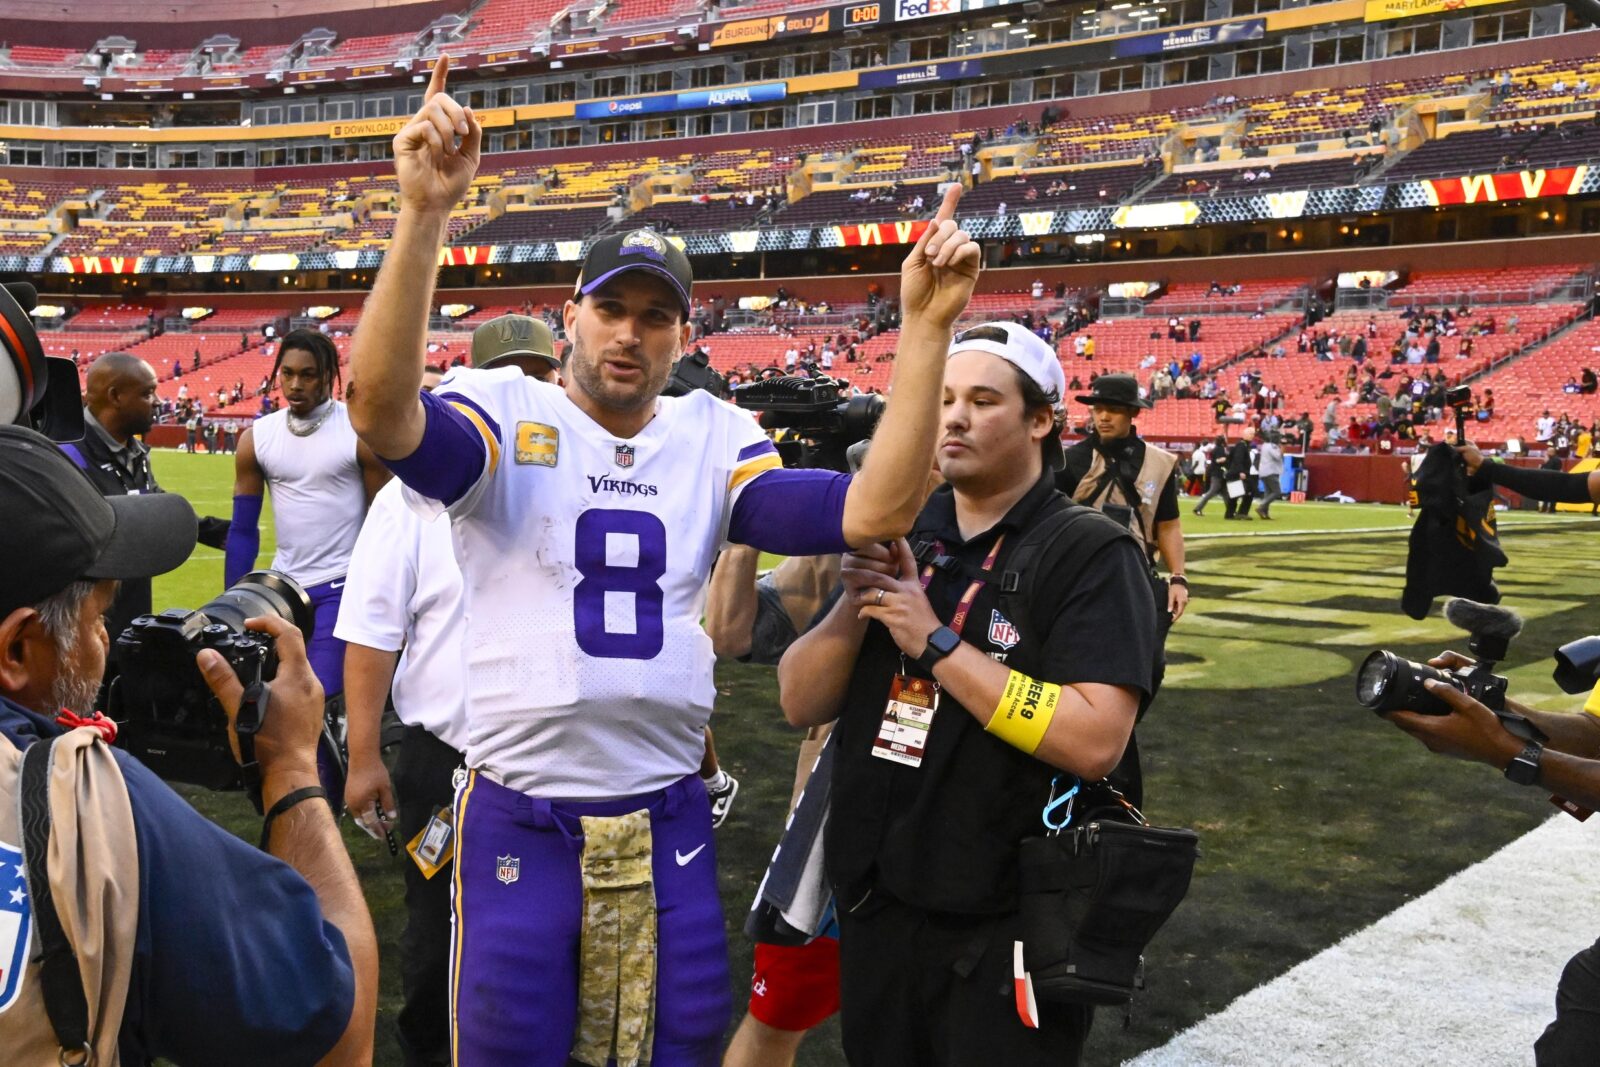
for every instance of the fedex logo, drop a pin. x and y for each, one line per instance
(921, 9)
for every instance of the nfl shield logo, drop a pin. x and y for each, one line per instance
(507, 868)
(624, 455)
(1002, 632)
(16, 924)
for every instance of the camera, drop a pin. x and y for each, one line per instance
(166, 713)
(693, 371)
(37, 391)
(824, 422)
(1459, 399)
(1388, 682)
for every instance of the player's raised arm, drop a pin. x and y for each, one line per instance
(936, 282)
(435, 158)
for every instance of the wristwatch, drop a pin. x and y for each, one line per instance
(941, 643)
(1524, 768)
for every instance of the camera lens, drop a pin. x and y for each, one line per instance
(1375, 677)
(1387, 682)
(262, 593)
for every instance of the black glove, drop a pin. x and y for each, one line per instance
(214, 531)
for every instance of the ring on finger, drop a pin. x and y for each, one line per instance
(880, 597)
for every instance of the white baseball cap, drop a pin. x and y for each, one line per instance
(1029, 353)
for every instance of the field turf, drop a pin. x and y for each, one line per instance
(1315, 817)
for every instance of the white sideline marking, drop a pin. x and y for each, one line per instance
(1463, 974)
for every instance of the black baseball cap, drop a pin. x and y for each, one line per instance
(641, 249)
(58, 529)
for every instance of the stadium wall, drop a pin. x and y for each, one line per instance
(178, 27)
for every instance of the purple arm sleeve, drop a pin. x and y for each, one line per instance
(452, 453)
(792, 513)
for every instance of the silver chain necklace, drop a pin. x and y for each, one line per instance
(307, 427)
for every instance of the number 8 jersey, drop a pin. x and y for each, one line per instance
(585, 558)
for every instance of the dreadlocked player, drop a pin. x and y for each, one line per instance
(322, 480)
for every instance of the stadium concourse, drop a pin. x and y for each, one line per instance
(1314, 220)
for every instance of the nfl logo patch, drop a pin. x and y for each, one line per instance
(624, 455)
(1002, 632)
(508, 869)
(16, 924)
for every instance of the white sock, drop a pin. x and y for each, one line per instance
(716, 781)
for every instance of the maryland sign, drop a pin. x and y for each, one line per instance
(1516, 185)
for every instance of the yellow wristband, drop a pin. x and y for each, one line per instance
(1592, 705)
(1024, 712)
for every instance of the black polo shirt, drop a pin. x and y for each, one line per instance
(1129, 455)
(944, 836)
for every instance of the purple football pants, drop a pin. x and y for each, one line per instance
(326, 651)
(518, 901)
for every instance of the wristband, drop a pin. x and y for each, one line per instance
(1178, 579)
(1023, 715)
(287, 801)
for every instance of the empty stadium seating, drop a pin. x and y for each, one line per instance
(1503, 148)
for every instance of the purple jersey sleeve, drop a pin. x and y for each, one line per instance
(456, 444)
(792, 513)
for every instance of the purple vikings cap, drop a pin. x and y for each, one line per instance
(642, 249)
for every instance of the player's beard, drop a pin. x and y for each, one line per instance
(616, 396)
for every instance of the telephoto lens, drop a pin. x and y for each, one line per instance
(1387, 682)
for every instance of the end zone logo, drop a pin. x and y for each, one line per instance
(921, 9)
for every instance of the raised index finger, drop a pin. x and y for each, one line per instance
(947, 206)
(441, 71)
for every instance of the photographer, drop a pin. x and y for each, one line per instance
(939, 774)
(195, 947)
(1134, 482)
(1567, 764)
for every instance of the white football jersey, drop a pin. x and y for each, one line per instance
(585, 558)
(318, 495)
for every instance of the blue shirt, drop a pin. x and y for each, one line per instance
(233, 960)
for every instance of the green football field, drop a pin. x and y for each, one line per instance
(1315, 817)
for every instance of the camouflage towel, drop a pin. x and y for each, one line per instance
(617, 974)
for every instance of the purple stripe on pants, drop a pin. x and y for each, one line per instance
(514, 956)
(326, 651)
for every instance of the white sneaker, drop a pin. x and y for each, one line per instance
(722, 798)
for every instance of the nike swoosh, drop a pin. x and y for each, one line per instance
(683, 860)
(335, 585)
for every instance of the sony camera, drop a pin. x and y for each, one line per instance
(824, 422)
(166, 713)
(1389, 682)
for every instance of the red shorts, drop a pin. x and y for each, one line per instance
(795, 987)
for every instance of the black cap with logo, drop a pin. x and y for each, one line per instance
(642, 249)
(57, 529)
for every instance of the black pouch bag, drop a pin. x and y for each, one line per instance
(1093, 895)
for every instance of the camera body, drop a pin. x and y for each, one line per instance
(824, 421)
(1387, 682)
(168, 717)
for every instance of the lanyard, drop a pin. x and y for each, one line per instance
(964, 608)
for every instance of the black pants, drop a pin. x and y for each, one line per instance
(423, 783)
(1572, 1039)
(923, 989)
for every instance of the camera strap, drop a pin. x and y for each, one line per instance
(252, 712)
(60, 979)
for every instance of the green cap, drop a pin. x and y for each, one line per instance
(512, 335)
